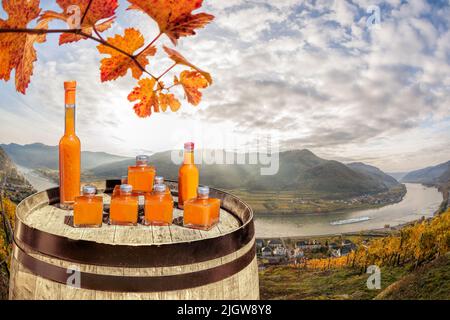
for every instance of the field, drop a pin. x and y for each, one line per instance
(304, 201)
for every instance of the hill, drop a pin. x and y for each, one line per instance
(298, 170)
(375, 173)
(430, 282)
(16, 186)
(38, 155)
(430, 175)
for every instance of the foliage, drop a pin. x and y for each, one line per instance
(417, 244)
(88, 19)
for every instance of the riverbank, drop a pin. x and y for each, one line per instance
(420, 201)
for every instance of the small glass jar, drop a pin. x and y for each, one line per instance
(202, 213)
(158, 207)
(88, 209)
(124, 207)
(160, 180)
(142, 175)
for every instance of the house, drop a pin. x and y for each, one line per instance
(311, 245)
(336, 253)
(266, 252)
(298, 253)
(301, 244)
(259, 244)
(280, 252)
(275, 243)
(333, 246)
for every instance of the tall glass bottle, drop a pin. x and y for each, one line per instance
(69, 152)
(188, 177)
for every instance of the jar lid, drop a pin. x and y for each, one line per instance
(89, 190)
(160, 188)
(70, 85)
(127, 188)
(143, 158)
(203, 190)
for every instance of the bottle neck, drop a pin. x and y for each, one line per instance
(188, 157)
(70, 112)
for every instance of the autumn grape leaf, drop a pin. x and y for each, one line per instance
(174, 17)
(168, 100)
(118, 64)
(147, 96)
(92, 12)
(179, 59)
(17, 50)
(192, 81)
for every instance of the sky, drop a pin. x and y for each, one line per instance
(310, 74)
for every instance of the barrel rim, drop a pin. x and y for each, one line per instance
(151, 255)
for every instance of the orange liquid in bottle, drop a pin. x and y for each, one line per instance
(88, 209)
(141, 176)
(188, 177)
(124, 208)
(69, 153)
(116, 191)
(202, 213)
(158, 207)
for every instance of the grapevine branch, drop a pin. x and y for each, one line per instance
(100, 40)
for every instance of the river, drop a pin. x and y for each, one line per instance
(419, 201)
(38, 182)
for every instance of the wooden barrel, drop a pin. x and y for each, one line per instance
(53, 260)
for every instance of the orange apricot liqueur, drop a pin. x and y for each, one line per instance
(123, 180)
(124, 207)
(69, 152)
(142, 175)
(158, 207)
(202, 213)
(188, 176)
(88, 209)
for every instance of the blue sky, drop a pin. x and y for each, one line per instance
(310, 73)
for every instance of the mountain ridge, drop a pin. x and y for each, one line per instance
(38, 155)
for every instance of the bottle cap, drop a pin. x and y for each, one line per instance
(189, 146)
(203, 190)
(160, 188)
(70, 85)
(159, 180)
(90, 190)
(127, 188)
(142, 159)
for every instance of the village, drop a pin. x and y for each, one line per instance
(281, 252)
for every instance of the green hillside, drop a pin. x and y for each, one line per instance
(299, 170)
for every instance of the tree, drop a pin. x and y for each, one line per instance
(87, 20)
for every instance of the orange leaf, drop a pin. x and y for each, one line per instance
(192, 81)
(148, 99)
(97, 11)
(179, 59)
(174, 18)
(166, 100)
(118, 64)
(17, 50)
